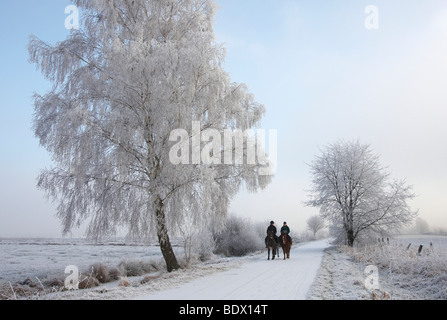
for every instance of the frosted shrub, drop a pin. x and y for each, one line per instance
(198, 243)
(87, 281)
(206, 247)
(100, 272)
(6, 293)
(132, 268)
(114, 274)
(238, 238)
(200, 247)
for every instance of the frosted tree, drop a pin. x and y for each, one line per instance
(354, 191)
(135, 71)
(315, 224)
(421, 226)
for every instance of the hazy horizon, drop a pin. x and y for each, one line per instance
(321, 75)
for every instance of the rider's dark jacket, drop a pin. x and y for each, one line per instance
(285, 229)
(272, 228)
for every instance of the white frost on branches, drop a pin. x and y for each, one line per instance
(135, 71)
(355, 193)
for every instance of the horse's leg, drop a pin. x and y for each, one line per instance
(278, 245)
(268, 254)
(273, 253)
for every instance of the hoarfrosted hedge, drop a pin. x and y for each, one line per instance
(238, 238)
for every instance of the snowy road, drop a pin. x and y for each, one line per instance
(258, 279)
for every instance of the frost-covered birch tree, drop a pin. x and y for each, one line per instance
(132, 73)
(354, 191)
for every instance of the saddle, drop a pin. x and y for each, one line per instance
(288, 238)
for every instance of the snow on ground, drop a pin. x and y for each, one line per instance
(338, 278)
(159, 281)
(257, 279)
(403, 274)
(47, 258)
(246, 278)
(341, 278)
(316, 270)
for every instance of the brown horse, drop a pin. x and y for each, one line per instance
(285, 244)
(271, 244)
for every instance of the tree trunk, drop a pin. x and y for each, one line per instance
(350, 236)
(350, 228)
(163, 237)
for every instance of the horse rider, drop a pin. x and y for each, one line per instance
(272, 228)
(285, 229)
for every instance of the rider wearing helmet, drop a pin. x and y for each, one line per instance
(272, 228)
(285, 229)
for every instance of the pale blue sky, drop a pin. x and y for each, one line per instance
(321, 75)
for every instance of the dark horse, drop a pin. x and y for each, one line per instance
(271, 244)
(285, 244)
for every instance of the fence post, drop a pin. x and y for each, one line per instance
(420, 249)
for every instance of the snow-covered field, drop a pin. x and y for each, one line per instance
(46, 258)
(315, 271)
(439, 242)
(250, 277)
(403, 274)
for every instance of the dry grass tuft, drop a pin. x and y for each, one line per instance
(124, 282)
(147, 279)
(114, 274)
(100, 272)
(380, 295)
(132, 268)
(88, 281)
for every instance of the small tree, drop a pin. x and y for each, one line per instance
(315, 224)
(352, 190)
(421, 226)
(197, 236)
